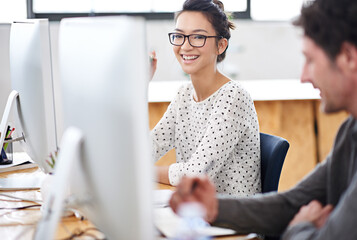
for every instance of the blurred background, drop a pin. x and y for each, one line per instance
(265, 50)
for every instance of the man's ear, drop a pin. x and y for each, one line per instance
(222, 45)
(347, 58)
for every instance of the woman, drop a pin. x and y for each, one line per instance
(212, 122)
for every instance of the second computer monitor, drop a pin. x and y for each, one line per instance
(31, 79)
(104, 69)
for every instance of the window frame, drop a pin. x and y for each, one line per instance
(147, 15)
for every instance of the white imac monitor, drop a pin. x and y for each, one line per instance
(105, 158)
(31, 99)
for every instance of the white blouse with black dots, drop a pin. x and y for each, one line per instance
(218, 136)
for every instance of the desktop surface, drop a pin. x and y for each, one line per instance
(20, 224)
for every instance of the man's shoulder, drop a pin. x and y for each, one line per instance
(346, 134)
(348, 126)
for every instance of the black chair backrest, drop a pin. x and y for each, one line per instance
(273, 150)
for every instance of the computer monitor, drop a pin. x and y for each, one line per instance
(105, 151)
(32, 97)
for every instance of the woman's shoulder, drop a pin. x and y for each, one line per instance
(184, 88)
(183, 92)
(235, 91)
(234, 85)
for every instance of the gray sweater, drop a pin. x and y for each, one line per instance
(332, 182)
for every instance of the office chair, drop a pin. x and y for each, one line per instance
(273, 150)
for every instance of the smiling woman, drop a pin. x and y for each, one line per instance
(212, 122)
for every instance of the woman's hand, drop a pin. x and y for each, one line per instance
(153, 64)
(163, 174)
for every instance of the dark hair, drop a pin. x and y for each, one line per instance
(214, 11)
(329, 23)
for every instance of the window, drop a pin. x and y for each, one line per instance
(275, 10)
(12, 10)
(260, 10)
(98, 6)
(56, 9)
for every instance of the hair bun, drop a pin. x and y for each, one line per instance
(214, 12)
(219, 4)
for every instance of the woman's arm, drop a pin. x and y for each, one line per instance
(163, 134)
(163, 174)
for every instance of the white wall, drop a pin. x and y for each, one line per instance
(4, 65)
(257, 50)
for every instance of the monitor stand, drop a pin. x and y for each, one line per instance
(68, 161)
(15, 183)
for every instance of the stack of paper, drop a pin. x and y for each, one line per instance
(167, 222)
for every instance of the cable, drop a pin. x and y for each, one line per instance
(10, 200)
(22, 199)
(20, 208)
(16, 209)
(81, 233)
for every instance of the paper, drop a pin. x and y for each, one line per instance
(167, 222)
(21, 183)
(162, 197)
(21, 161)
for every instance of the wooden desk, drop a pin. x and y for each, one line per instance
(21, 224)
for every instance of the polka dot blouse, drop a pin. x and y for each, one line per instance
(218, 136)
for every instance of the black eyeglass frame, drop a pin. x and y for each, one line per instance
(188, 37)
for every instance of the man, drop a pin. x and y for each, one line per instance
(324, 204)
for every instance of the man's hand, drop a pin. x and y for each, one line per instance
(199, 190)
(314, 212)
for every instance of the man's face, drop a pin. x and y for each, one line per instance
(325, 75)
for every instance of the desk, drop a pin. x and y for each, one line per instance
(20, 224)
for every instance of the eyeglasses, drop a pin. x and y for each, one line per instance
(195, 40)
